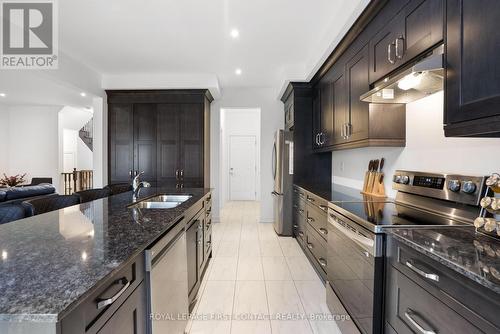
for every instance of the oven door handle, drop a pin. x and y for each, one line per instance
(366, 243)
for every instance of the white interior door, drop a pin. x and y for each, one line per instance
(242, 168)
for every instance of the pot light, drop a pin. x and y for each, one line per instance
(238, 71)
(83, 94)
(234, 33)
(4, 255)
(3, 95)
(410, 81)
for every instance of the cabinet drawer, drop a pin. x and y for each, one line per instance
(318, 220)
(317, 202)
(131, 316)
(411, 309)
(317, 246)
(88, 317)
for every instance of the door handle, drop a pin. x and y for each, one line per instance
(177, 174)
(182, 174)
(399, 47)
(422, 273)
(408, 315)
(322, 141)
(389, 53)
(102, 303)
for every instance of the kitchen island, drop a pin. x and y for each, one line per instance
(51, 264)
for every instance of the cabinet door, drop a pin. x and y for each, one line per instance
(472, 87)
(121, 142)
(357, 84)
(145, 128)
(316, 117)
(168, 144)
(423, 28)
(131, 317)
(191, 145)
(326, 115)
(192, 256)
(340, 110)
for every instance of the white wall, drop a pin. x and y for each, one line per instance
(33, 141)
(241, 122)
(4, 139)
(427, 149)
(272, 118)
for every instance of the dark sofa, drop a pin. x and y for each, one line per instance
(11, 199)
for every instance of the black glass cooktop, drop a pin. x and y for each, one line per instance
(376, 215)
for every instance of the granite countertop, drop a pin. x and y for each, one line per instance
(340, 193)
(462, 249)
(50, 262)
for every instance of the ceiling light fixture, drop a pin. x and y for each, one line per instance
(238, 71)
(83, 94)
(3, 95)
(235, 33)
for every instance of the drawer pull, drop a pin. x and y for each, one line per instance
(102, 303)
(310, 220)
(301, 234)
(408, 315)
(422, 273)
(323, 207)
(209, 243)
(310, 199)
(295, 226)
(301, 211)
(322, 262)
(310, 245)
(323, 231)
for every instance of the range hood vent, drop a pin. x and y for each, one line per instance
(420, 80)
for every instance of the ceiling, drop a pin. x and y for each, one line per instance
(278, 39)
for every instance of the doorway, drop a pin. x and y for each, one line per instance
(240, 154)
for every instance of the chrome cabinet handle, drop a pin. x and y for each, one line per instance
(317, 139)
(422, 273)
(177, 174)
(408, 315)
(301, 234)
(322, 262)
(105, 302)
(310, 245)
(130, 173)
(321, 141)
(348, 130)
(310, 199)
(182, 173)
(310, 220)
(389, 53)
(399, 47)
(323, 207)
(295, 226)
(323, 231)
(301, 211)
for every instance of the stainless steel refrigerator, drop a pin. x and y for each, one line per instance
(282, 167)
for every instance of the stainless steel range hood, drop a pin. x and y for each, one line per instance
(423, 78)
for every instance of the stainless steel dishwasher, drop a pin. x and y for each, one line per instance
(167, 282)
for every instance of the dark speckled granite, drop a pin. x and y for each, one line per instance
(52, 261)
(462, 249)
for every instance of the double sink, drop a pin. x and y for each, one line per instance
(161, 202)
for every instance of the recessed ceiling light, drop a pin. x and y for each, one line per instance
(235, 33)
(3, 95)
(238, 71)
(83, 94)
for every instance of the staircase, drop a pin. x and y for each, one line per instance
(86, 133)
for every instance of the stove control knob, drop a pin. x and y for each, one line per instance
(454, 185)
(405, 179)
(397, 178)
(469, 187)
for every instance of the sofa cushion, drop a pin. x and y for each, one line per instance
(11, 212)
(29, 191)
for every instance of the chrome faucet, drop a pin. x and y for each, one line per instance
(137, 184)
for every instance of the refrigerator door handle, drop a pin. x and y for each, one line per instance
(274, 162)
(274, 193)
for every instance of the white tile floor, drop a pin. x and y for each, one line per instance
(256, 274)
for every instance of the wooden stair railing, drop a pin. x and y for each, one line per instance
(77, 180)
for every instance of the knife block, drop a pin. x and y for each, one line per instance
(374, 184)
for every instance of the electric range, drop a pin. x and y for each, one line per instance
(356, 239)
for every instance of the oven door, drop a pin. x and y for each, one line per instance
(354, 272)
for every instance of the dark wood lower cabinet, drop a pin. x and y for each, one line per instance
(164, 133)
(131, 316)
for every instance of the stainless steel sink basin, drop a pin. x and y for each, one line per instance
(162, 202)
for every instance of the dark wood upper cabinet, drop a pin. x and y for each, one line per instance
(339, 102)
(121, 142)
(163, 133)
(416, 28)
(472, 90)
(326, 115)
(316, 116)
(357, 84)
(145, 131)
